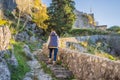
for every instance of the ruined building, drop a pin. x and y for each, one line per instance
(85, 21)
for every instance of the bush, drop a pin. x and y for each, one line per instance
(3, 22)
(114, 28)
(86, 32)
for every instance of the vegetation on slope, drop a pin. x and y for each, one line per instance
(3, 22)
(17, 73)
(98, 49)
(84, 32)
(40, 14)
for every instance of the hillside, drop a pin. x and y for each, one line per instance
(24, 29)
(20, 36)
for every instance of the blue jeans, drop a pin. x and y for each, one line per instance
(55, 53)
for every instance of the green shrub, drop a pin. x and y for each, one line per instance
(7, 56)
(9, 14)
(15, 28)
(86, 32)
(94, 50)
(3, 22)
(91, 49)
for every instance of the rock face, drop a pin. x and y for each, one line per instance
(29, 33)
(12, 4)
(84, 20)
(12, 60)
(4, 42)
(9, 4)
(4, 71)
(1, 8)
(6, 5)
(114, 43)
(28, 53)
(88, 67)
(5, 55)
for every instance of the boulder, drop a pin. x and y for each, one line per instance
(12, 60)
(9, 4)
(28, 53)
(22, 36)
(27, 78)
(32, 39)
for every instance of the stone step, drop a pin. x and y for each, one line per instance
(60, 72)
(67, 73)
(61, 76)
(57, 67)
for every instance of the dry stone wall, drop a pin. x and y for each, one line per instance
(88, 67)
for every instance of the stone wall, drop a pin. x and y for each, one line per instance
(108, 43)
(101, 27)
(64, 40)
(9, 4)
(88, 67)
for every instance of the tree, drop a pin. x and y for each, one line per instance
(61, 15)
(40, 14)
(114, 28)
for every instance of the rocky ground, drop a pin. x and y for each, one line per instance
(59, 71)
(37, 73)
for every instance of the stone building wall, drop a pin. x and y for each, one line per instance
(88, 67)
(101, 27)
(83, 20)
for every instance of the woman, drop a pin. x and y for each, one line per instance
(53, 44)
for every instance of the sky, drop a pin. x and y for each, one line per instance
(106, 12)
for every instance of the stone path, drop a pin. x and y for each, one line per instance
(60, 72)
(36, 72)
